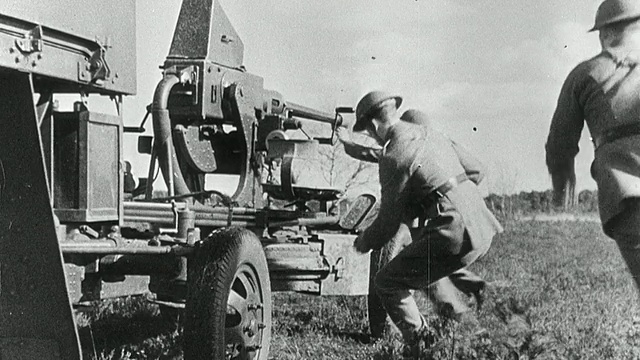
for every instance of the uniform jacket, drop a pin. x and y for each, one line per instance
(474, 169)
(372, 154)
(602, 92)
(414, 162)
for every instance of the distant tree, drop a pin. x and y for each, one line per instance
(344, 172)
(536, 201)
(495, 203)
(588, 201)
(504, 181)
(546, 200)
(338, 169)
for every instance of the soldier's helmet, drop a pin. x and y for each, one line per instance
(368, 104)
(416, 117)
(615, 11)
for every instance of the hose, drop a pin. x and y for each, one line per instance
(163, 138)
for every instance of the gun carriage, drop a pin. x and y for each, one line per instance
(76, 226)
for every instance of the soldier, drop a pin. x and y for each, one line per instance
(604, 92)
(421, 177)
(443, 292)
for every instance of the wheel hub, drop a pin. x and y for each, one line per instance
(244, 334)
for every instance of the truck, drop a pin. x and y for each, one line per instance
(76, 227)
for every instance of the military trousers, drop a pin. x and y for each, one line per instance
(438, 250)
(624, 228)
(446, 292)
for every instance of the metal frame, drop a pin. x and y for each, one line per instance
(53, 255)
(36, 319)
(71, 52)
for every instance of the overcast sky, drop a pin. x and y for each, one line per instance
(488, 73)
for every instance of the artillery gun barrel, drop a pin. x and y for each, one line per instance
(312, 114)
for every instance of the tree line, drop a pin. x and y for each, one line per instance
(532, 202)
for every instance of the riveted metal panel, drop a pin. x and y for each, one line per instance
(350, 269)
(204, 32)
(87, 163)
(72, 31)
(34, 302)
(325, 265)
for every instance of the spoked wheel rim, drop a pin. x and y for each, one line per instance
(245, 320)
(228, 310)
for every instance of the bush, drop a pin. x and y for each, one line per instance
(535, 202)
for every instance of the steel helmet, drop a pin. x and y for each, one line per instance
(614, 11)
(416, 117)
(368, 103)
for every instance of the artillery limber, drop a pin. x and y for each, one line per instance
(77, 227)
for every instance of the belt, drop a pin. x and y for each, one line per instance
(616, 133)
(429, 204)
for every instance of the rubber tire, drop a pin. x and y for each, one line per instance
(212, 271)
(379, 322)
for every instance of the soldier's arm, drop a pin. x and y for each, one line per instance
(361, 152)
(562, 143)
(357, 151)
(473, 167)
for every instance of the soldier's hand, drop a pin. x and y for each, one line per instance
(563, 178)
(361, 245)
(344, 135)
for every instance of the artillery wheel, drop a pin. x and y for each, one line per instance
(228, 310)
(379, 322)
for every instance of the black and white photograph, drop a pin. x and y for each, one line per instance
(289, 180)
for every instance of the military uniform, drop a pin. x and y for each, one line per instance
(604, 92)
(414, 166)
(442, 292)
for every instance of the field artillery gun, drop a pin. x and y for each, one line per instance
(77, 228)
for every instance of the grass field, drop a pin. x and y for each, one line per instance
(559, 290)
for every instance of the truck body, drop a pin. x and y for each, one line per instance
(77, 227)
